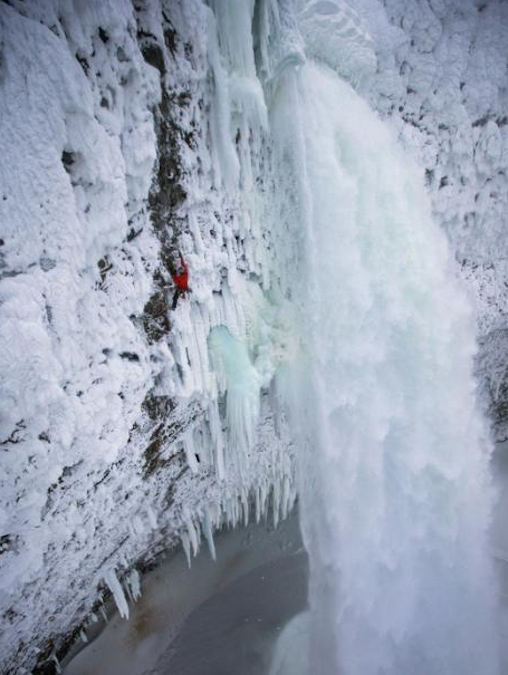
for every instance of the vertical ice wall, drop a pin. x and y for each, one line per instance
(131, 133)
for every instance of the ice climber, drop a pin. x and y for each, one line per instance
(181, 281)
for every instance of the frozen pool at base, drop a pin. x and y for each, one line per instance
(245, 613)
(235, 631)
(217, 618)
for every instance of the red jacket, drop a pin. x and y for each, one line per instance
(182, 279)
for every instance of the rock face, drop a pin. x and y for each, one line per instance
(133, 132)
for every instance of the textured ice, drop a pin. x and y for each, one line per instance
(87, 474)
(241, 384)
(116, 589)
(333, 33)
(111, 433)
(395, 496)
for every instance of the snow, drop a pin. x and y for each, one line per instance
(116, 445)
(445, 96)
(87, 473)
(60, 392)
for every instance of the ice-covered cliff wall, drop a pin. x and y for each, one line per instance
(441, 78)
(131, 132)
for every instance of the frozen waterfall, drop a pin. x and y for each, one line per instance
(324, 349)
(395, 496)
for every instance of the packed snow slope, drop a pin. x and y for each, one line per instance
(131, 132)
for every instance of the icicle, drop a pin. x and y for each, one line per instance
(115, 587)
(286, 489)
(229, 512)
(226, 167)
(263, 498)
(193, 531)
(83, 636)
(238, 511)
(217, 438)
(276, 503)
(58, 667)
(245, 505)
(216, 514)
(134, 583)
(104, 613)
(257, 493)
(207, 530)
(186, 547)
(190, 450)
(127, 591)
